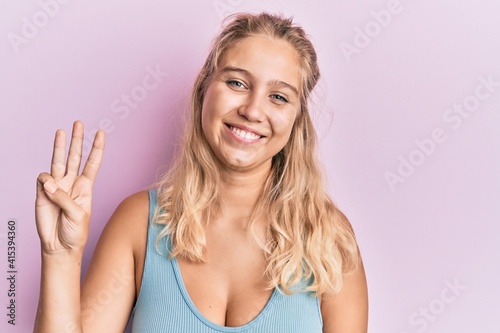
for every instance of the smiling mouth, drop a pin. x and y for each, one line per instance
(245, 135)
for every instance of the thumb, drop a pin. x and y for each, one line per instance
(59, 197)
(43, 178)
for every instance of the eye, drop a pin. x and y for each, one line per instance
(235, 83)
(279, 98)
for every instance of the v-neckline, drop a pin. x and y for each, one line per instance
(202, 318)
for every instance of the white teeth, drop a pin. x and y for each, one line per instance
(243, 134)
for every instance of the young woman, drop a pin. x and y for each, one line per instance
(239, 236)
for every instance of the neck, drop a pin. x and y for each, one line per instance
(240, 192)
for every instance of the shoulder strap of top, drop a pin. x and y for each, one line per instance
(153, 198)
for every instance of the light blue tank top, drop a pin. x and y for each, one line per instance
(164, 305)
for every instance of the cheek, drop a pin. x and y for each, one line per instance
(207, 110)
(283, 123)
(206, 122)
(213, 104)
(204, 118)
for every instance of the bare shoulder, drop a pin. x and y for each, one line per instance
(347, 311)
(342, 219)
(132, 213)
(134, 206)
(128, 224)
(116, 267)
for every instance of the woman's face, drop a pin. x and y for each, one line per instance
(251, 103)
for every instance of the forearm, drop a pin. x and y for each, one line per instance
(59, 303)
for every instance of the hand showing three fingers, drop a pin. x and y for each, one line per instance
(63, 199)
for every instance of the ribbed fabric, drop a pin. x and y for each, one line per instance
(164, 304)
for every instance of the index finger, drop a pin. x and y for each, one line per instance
(58, 165)
(94, 160)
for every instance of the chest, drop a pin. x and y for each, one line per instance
(229, 288)
(227, 294)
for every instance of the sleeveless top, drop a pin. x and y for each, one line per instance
(164, 305)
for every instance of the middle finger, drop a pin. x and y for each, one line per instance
(75, 150)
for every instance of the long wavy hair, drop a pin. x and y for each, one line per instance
(308, 238)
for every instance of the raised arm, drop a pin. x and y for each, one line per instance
(63, 208)
(62, 213)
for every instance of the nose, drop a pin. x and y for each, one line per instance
(252, 108)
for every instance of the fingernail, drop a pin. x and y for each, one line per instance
(50, 187)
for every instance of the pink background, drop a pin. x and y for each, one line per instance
(435, 227)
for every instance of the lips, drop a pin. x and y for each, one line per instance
(244, 133)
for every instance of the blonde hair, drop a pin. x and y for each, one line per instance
(309, 239)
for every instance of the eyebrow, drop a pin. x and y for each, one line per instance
(278, 83)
